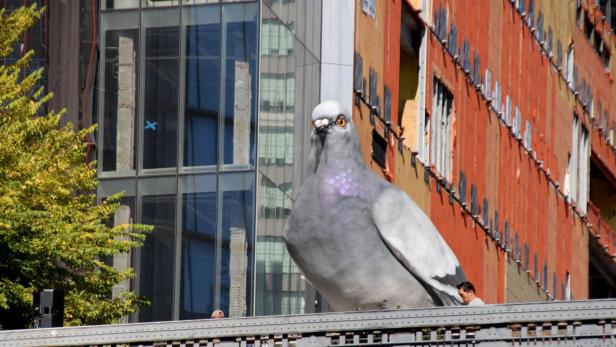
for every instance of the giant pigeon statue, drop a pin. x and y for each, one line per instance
(362, 242)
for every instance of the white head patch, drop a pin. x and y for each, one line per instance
(328, 109)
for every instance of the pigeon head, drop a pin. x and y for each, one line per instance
(334, 135)
(330, 119)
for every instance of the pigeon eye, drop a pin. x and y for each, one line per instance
(341, 122)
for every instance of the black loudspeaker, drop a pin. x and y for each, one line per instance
(49, 308)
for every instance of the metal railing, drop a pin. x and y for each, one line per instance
(568, 323)
(606, 236)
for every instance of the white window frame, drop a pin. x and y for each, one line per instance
(584, 170)
(440, 139)
(572, 170)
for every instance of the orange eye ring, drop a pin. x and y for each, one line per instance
(341, 121)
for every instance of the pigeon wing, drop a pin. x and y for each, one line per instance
(414, 240)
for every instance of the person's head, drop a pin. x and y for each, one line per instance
(466, 290)
(218, 314)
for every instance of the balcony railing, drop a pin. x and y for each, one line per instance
(606, 236)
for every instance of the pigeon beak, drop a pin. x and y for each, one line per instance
(322, 136)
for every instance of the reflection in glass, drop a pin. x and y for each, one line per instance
(120, 100)
(206, 243)
(241, 30)
(237, 241)
(276, 145)
(276, 38)
(280, 285)
(161, 97)
(198, 255)
(121, 261)
(202, 93)
(287, 91)
(277, 92)
(156, 258)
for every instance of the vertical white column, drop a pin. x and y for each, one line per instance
(337, 47)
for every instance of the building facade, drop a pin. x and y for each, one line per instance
(202, 124)
(495, 117)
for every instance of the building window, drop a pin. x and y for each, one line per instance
(379, 148)
(507, 116)
(156, 262)
(441, 142)
(161, 97)
(584, 171)
(487, 91)
(452, 45)
(198, 255)
(476, 76)
(520, 6)
(496, 98)
(466, 60)
(277, 92)
(424, 139)
(369, 7)
(531, 13)
(528, 136)
(276, 38)
(559, 55)
(120, 97)
(577, 177)
(517, 124)
(569, 68)
(539, 31)
(572, 168)
(550, 42)
(201, 100)
(237, 126)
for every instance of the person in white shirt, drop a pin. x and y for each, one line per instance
(466, 290)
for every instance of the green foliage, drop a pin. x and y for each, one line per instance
(52, 232)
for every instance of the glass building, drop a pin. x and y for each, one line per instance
(203, 109)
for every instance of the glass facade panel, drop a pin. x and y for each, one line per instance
(198, 255)
(120, 93)
(161, 97)
(156, 259)
(238, 191)
(281, 288)
(125, 214)
(217, 245)
(191, 69)
(286, 64)
(240, 39)
(202, 96)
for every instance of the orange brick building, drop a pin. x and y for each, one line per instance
(498, 118)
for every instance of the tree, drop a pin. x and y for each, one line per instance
(53, 234)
